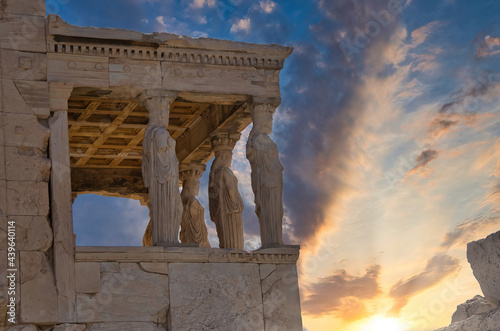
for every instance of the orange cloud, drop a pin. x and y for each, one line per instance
(342, 294)
(467, 230)
(437, 269)
(423, 160)
(489, 46)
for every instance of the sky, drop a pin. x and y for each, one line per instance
(389, 132)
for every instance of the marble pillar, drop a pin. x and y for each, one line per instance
(225, 202)
(160, 170)
(267, 175)
(193, 227)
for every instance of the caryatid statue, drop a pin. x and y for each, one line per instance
(225, 202)
(267, 176)
(193, 228)
(160, 171)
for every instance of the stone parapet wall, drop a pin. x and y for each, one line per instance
(118, 291)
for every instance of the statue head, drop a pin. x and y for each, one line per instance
(190, 175)
(191, 187)
(159, 117)
(263, 119)
(223, 158)
(223, 144)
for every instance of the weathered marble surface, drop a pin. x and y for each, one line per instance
(481, 314)
(88, 277)
(33, 233)
(489, 321)
(28, 198)
(130, 294)
(33, 7)
(69, 327)
(38, 292)
(267, 176)
(26, 163)
(128, 326)
(29, 327)
(158, 268)
(215, 297)
(280, 295)
(484, 258)
(281, 255)
(24, 130)
(160, 170)
(26, 97)
(475, 306)
(225, 202)
(193, 227)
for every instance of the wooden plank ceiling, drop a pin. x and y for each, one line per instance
(108, 133)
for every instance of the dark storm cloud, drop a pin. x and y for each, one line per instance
(342, 294)
(320, 88)
(438, 268)
(322, 91)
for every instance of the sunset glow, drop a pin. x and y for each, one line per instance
(384, 324)
(389, 134)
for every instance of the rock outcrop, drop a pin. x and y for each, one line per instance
(475, 306)
(484, 258)
(481, 314)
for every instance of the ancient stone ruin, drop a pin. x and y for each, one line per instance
(481, 313)
(125, 114)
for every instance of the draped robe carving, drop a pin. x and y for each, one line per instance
(193, 228)
(160, 169)
(267, 185)
(226, 207)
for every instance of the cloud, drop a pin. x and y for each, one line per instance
(241, 25)
(438, 268)
(464, 106)
(202, 20)
(425, 63)
(441, 265)
(199, 34)
(161, 20)
(489, 46)
(423, 160)
(202, 3)
(468, 230)
(172, 25)
(418, 36)
(113, 222)
(342, 294)
(267, 6)
(322, 154)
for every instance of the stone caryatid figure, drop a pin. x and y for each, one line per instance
(193, 228)
(160, 170)
(225, 202)
(267, 176)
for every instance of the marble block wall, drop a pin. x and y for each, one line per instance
(25, 167)
(182, 296)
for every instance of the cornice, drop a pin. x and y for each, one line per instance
(65, 38)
